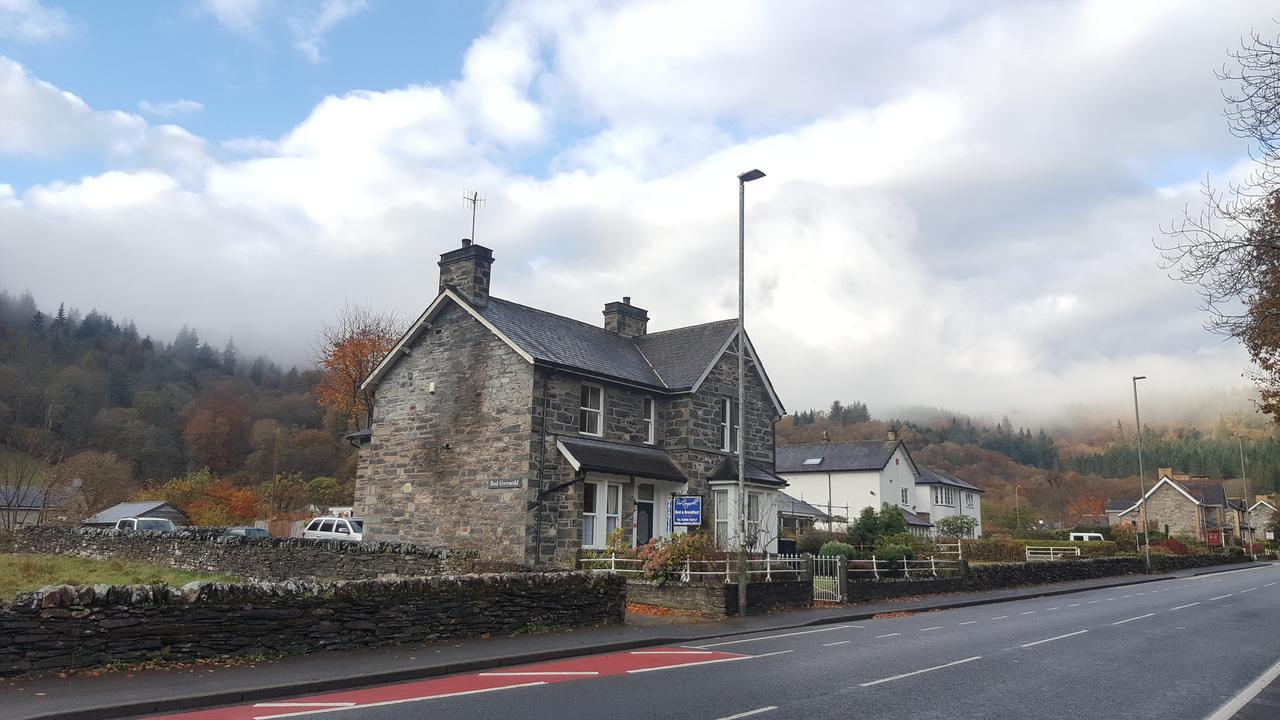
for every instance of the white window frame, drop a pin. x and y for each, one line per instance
(612, 496)
(590, 518)
(721, 501)
(906, 496)
(729, 428)
(585, 411)
(754, 515)
(943, 495)
(649, 419)
(968, 499)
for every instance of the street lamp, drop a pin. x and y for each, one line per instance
(1248, 516)
(1142, 482)
(743, 179)
(1017, 515)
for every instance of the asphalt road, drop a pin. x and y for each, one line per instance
(1172, 650)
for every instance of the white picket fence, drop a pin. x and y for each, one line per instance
(931, 567)
(768, 568)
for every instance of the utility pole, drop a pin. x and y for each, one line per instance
(1017, 514)
(1248, 516)
(743, 574)
(1142, 481)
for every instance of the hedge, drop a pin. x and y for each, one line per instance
(1013, 550)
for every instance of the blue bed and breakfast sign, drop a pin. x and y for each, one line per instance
(686, 510)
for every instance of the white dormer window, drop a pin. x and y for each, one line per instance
(591, 410)
(650, 429)
(729, 425)
(813, 461)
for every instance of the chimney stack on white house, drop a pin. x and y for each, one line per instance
(467, 269)
(626, 319)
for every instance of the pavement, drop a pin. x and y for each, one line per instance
(144, 692)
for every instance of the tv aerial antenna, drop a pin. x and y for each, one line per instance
(475, 199)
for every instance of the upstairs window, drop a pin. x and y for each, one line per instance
(591, 410)
(968, 499)
(906, 500)
(650, 431)
(729, 425)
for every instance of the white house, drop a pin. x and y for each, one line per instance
(843, 478)
(942, 495)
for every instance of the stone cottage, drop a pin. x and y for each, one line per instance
(1181, 505)
(529, 436)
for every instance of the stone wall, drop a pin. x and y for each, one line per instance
(994, 576)
(721, 599)
(65, 627)
(424, 476)
(257, 558)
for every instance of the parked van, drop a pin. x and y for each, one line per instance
(1086, 537)
(335, 528)
(146, 523)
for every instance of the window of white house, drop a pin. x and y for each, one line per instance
(729, 425)
(650, 433)
(943, 496)
(589, 515)
(612, 509)
(591, 410)
(722, 518)
(906, 499)
(754, 501)
(968, 499)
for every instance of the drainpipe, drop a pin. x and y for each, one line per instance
(542, 462)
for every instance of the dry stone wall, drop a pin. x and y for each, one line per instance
(65, 627)
(256, 558)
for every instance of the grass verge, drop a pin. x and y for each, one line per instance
(20, 573)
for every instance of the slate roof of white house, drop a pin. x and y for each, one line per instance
(671, 360)
(795, 507)
(835, 456)
(125, 510)
(934, 476)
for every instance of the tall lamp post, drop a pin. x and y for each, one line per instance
(743, 179)
(1248, 516)
(1142, 482)
(1017, 514)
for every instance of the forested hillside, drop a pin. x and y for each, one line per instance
(90, 398)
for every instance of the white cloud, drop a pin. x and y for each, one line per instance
(238, 15)
(171, 108)
(31, 21)
(310, 31)
(958, 212)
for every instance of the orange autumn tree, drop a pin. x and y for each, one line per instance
(346, 351)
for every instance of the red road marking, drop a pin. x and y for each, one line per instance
(518, 676)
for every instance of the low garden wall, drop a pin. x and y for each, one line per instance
(256, 558)
(721, 599)
(65, 627)
(994, 576)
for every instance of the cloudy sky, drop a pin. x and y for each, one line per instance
(959, 210)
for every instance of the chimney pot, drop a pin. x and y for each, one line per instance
(466, 242)
(626, 299)
(626, 319)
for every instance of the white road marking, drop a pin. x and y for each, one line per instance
(1121, 622)
(842, 642)
(1029, 612)
(968, 622)
(1221, 596)
(538, 674)
(397, 702)
(1268, 585)
(672, 652)
(1057, 637)
(1122, 597)
(693, 664)
(1106, 599)
(917, 672)
(935, 627)
(1000, 617)
(1055, 607)
(749, 713)
(771, 637)
(1074, 605)
(1249, 590)
(1232, 706)
(304, 704)
(1183, 606)
(1094, 601)
(889, 635)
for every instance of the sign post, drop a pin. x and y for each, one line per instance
(686, 510)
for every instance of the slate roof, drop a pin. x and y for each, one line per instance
(911, 518)
(934, 476)
(727, 469)
(680, 356)
(1206, 492)
(1120, 505)
(845, 456)
(124, 510)
(26, 496)
(620, 458)
(795, 507)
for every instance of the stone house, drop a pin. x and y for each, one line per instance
(1260, 516)
(1180, 505)
(529, 436)
(845, 477)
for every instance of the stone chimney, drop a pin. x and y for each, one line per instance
(1164, 472)
(892, 434)
(625, 319)
(468, 269)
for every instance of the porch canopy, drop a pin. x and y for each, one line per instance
(586, 455)
(727, 470)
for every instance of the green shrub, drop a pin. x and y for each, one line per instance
(903, 538)
(812, 541)
(839, 549)
(891, 557)
(1014, 550)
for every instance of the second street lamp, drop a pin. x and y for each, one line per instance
(1142, 482)
(743, 179)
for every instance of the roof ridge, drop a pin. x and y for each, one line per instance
(583, 323)
(652, 366)
(837, 442)
(688, 327)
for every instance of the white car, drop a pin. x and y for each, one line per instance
(335, 528)
(146, 523)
